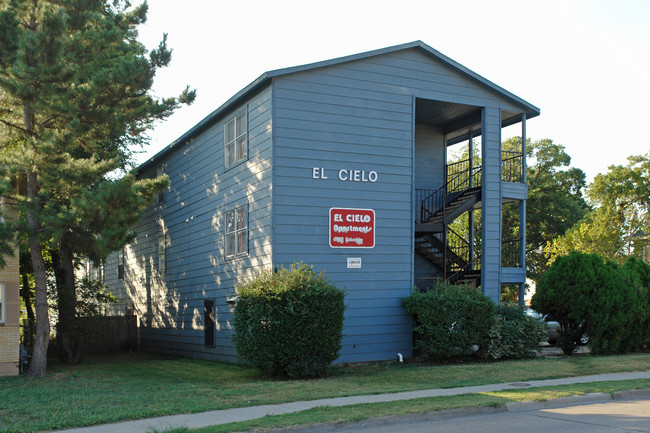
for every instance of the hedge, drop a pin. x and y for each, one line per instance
(289, 323)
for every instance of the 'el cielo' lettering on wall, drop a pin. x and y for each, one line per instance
(345, 175)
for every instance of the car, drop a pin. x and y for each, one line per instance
(553, 328)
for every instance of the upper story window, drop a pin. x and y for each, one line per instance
(120, 264)
(237, 231)
(162, 254)
(161, 195)
(235, 139)
(101, 271)
(2, 302)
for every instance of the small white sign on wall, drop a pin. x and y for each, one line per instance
(354, 262)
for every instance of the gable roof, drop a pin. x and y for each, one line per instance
(264, 79)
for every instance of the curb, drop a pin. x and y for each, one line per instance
(631, 394)
(595, 397)
(395, 419)
(575, 400)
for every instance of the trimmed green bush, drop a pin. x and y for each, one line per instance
(639, 272)
(583, 293)
(289, 323)
(640, 269)
(450, 321)
(564, 294)
(615, 312)
(515, 334)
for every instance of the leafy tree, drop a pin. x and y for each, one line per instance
(555, 202)
(599, 232)
(621, 198)
(74, 101)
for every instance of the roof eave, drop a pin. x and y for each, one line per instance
(206, 121)
(529, 109)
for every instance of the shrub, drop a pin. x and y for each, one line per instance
(563, 293)
(289, 323)
(639, 272)
(583, 293)
(449, 321)
(615, 312)
(640, 269)
(514, 334)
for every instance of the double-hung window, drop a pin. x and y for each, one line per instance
(235, 139)
(161, 195)
(2, 302)
(120, 264)
(101, 271)
(237, 231)
(162, 254)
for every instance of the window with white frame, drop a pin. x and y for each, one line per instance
(237, 231)
(162, 254)
(2, 302)
(161, 195)
(235, 139)
(100, 271)
(120, 264)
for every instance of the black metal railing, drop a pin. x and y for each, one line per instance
(459, 179)
(425, 283)
(512, 166)
(510, 253)
(471, 268)
(460, 247)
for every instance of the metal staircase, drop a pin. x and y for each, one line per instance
(435, 240)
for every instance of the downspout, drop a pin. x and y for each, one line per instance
(470, 216)
(522, 214)
(444, 216)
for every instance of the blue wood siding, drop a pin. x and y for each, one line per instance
(491, 210)
(323, 125)
(359, 115)
(429, 157)
(170, 306)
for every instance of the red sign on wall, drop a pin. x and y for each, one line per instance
(352, 228)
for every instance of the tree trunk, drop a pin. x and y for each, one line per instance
(66, 330)
(25, 293)
(38, 364)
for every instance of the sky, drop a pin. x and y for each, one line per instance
(584, 63)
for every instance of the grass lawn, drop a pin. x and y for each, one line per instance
(356, 413)
(130, 386)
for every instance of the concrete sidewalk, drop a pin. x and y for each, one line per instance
(225, 416)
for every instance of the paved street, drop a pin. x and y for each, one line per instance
(610, 417)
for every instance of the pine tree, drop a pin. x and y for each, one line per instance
(74, 101)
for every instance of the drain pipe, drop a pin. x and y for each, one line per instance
(401, 358)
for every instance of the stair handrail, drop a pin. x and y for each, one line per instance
(461, 251)
(436, 200)
(474, 265)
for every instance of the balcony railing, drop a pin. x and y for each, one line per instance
(459, 177)
(510, 253)
(512, 169)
